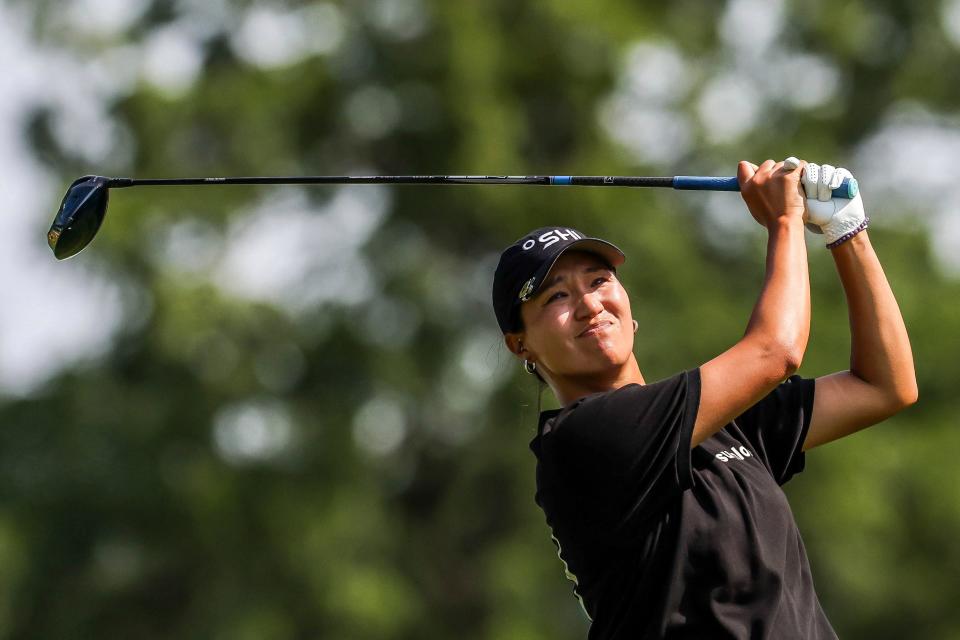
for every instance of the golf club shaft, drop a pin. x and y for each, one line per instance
(847, 189)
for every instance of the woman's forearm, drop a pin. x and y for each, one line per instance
(776, 336)
(880, 351)
(782, 313)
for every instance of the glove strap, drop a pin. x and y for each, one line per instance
(839, 241)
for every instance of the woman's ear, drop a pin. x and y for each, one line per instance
(514, 342)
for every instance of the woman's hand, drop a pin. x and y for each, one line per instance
(771, 191)
(838, 219)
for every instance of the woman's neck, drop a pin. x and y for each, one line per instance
(568, 389)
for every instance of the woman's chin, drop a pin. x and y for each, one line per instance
(607, 353)
(603, 365)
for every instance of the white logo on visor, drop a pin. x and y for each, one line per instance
(556, 235)
(551, 237)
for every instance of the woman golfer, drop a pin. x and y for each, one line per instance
(664, 498)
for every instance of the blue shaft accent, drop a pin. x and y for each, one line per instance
(560, 180)
(847, 189)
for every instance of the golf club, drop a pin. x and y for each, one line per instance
(85, 203)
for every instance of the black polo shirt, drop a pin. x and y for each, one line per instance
(663, 541)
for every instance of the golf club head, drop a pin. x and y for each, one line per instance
(79, 217)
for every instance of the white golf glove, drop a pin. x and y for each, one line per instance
(838, 219)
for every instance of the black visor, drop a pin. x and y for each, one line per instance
(524, 266)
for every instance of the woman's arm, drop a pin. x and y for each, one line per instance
(776, 336)
(881, 380)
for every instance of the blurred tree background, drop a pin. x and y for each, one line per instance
(287, 413)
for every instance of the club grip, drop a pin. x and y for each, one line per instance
(847, 189)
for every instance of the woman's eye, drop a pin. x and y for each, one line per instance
(555, 296)
(599, 281)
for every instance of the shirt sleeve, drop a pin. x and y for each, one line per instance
(777, 426)
(626, 453)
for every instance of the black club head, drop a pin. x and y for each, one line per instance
(79, 217)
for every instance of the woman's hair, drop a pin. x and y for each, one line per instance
(541, 383)
(520, 327)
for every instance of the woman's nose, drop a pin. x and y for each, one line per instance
(589, 306)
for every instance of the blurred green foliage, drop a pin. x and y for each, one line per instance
(126, 510)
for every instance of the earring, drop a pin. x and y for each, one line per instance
(636, 325)
(530, 367)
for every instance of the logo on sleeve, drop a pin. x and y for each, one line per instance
(736, 453)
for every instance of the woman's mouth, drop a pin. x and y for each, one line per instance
(595, 329)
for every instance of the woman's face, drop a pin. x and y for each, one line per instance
(579, 323)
